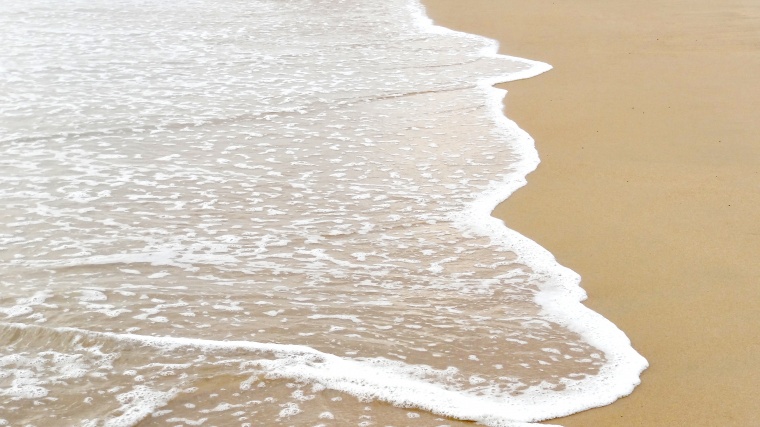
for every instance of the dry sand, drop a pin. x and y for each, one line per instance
(649, 133)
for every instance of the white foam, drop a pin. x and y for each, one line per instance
(320, 177)
(137, 404)
(25, 306)
(382, 379)
(561, 294)
(354, 319)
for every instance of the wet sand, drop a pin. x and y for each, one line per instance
(649, 133)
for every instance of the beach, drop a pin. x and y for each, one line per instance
(649, 186)
(280, 213)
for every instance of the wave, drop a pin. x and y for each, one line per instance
(324, 223)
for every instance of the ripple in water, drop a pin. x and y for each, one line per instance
(267, 212)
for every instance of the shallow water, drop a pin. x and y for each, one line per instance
(270, 212)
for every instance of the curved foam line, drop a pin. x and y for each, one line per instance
(561, 294)
(378, 378)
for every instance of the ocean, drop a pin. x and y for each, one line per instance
(275, 212)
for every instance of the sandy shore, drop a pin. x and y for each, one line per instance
(649, 187)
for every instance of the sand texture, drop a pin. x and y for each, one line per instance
(649, 133)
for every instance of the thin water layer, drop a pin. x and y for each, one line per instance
(268, 212)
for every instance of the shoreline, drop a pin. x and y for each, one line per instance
(651, 106)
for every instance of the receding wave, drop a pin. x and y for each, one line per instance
(262, 212)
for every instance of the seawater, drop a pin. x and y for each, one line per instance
(271, 212)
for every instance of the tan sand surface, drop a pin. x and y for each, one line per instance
(649, 187)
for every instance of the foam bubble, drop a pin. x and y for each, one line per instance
(137, 404)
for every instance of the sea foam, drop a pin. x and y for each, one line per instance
(264, 212)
